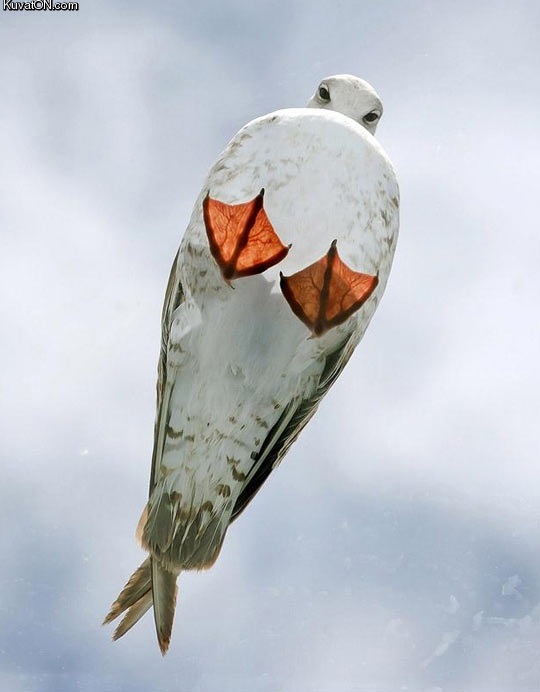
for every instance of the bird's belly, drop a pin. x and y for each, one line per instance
(248, 358)
(247, 361)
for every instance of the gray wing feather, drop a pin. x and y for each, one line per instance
(290, 424)
(174, 296)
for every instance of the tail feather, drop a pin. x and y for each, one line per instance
(133, 615)
(149, 585)
(138, 585)
(164, 589)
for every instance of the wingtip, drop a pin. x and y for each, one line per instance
(113, 613)
(164, 598)
(164, 642)
(134, 600)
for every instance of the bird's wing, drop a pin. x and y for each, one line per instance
(174, 297)
(290, 424)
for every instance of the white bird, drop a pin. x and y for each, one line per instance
(281, 268)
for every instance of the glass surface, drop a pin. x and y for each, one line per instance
(396, 547)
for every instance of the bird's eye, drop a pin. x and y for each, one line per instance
(324, 94)
(372, 117)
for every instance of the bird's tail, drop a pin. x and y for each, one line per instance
(165, 590)
(149, 585)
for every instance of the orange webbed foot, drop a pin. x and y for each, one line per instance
(327, 292)
(241, 237)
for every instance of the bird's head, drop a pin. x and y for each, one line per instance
(351, 96)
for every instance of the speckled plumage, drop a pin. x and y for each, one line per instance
(239, 374)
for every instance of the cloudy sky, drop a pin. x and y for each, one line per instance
(396, 548)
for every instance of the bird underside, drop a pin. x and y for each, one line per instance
(243, 242)
(178, 535)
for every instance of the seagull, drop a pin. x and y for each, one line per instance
(283, 263)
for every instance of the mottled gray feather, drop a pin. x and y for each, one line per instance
(174, 296)
(291, 423)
